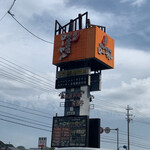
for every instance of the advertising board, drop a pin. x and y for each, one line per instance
(42, 142)
(70, 131)
(73, 81)
(91, 43)
(73, 72)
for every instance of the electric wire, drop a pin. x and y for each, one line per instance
(33, 85)
(36, 114)
(134, 136)
(24, 82)
(22, 68)
(12, 15)
(7, 11)
(18, 116)
(3, 16)
(137, 144)
(26, 78)
(125, 140)
(30, 81)
(143, 122)
(29, 30)
(23, 73)
(34, 77)
(25, 125)
(22, 120)
(31, 109)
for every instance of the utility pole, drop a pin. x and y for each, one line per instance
(128, 121)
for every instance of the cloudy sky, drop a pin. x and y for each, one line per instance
(27, 94)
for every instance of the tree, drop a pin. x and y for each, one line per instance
(21, 147)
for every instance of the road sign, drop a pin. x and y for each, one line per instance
(42, 142)
(101, 130)
(107, 130)
(124, 146)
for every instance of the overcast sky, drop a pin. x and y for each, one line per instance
(126, 21)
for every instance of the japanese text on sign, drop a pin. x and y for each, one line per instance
(66, 43)
(102, 49)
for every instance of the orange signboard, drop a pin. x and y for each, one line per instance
(85, 44)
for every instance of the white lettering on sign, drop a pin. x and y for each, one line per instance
(77, 103)
(102, 49)
(66, 43)
(70, 113)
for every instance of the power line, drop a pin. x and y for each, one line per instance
(31, 79)
(24, 82)
(25, 125)
(26, 70)
(135, 136)
(7, 11)
(33, 85)
(143, 122)
(27, 73)
(12, 15)
(41, 122)
(25, 111)
(31, 109)
(112, 140)
(33, 82)
(23, 73)
(29, 30)
(3, 17)
(22, 120)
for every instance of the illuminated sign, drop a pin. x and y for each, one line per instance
(102, 49)
(70, 131)
(66, 43)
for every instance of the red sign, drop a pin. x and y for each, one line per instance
(101, 130)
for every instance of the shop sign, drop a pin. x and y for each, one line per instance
(104, 50)
(71, 95)
(66, 43)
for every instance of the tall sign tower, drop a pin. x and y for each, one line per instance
(80, 54)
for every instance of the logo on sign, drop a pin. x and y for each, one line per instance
(102, 49)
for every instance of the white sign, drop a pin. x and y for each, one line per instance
(42, 142)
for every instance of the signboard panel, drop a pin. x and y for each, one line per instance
(73, 72)
(70, 131)
(94, 133)
(92, 43)
(42, 142)
(73, 81)
(95, 82)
